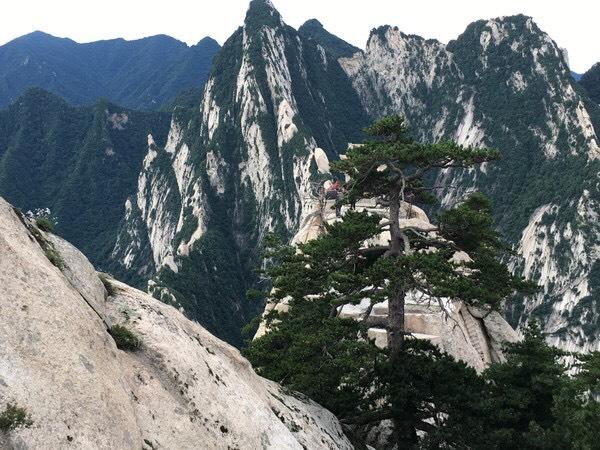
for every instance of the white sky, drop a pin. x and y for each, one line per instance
(573, 25)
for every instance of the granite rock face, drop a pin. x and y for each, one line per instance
(505, 84)
(236, 168)
(184, 389)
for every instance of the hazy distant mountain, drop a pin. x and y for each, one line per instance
(141, 74)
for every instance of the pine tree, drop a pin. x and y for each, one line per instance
(313, 350)
(394, 168)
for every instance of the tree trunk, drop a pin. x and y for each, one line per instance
(404, 433)
(395, 328)
(395, 233)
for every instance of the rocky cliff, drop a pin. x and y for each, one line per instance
(505, 84)
(235, 168)
(182, 389)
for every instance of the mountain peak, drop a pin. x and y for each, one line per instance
(505, 26)
(35, 97)
(37, 34)
(313, 29)
(386, 32)
(314, 23)
(207, 41)
(262, 12)
(36, 37)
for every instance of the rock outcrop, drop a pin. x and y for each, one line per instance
(184, 389)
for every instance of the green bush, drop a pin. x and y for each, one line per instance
(125, 339)
(44, 223)
(54, 257)
(14, 417)
(48, 248)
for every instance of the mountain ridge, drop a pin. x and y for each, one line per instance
(238, 161)
(83, 72)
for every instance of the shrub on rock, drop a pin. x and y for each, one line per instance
(125, 339)
(14, 417)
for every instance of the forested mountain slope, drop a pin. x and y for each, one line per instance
(591, 82)
(80, 162)
(142, 74)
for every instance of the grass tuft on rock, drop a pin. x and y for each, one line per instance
(54, 257)
(125, 339)
(49, 250)
(14, 417)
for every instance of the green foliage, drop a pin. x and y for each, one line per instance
(311, 349)
(470, 224)
(428, 385)
(316, 354)
(524, 388)
(125, 339)
(394, 168)
(528, 401)
(54, 257)
(396, 162)
(44, 224)
(14, 417)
